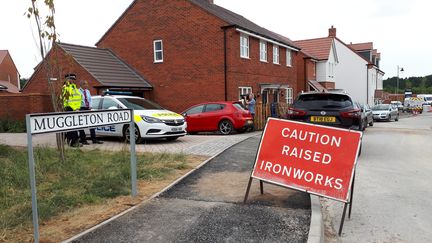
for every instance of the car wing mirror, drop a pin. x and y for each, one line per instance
(184, 114)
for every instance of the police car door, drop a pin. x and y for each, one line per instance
(109, 103)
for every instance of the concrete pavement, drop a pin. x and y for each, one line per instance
(393, 196)
(206, 145)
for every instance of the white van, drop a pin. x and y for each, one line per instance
(427, 98)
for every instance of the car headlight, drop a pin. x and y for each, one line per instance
(150, 119)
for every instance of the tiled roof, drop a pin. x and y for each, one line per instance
(3, 54)
(8, 87)
(241, 22)
(106, 67)
(361, 46)
(317, 48)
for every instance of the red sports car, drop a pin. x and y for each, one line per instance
(224, 117)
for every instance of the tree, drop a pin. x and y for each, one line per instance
(46, 38)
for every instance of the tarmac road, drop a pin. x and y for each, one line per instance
(393, 187)
(207, 207)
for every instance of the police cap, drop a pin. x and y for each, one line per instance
(70, 76)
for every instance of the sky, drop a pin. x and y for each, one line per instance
(399, 29)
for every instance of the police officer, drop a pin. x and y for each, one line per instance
(71, 102)
(85, 106)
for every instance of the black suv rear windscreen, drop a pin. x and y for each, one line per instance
(323, 101)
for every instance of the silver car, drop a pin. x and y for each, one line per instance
(385, 112)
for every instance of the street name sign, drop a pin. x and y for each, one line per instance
(66, 121)
(70, 121)
(312, 158)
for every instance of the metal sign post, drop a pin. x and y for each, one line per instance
(71, 121)
(32, 180)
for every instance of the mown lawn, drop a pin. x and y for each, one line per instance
(86, 177)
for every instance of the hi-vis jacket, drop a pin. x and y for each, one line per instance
(71, 96)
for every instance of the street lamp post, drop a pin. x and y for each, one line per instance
(397, 82)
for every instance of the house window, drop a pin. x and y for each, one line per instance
(263, 51)
(288, 58)
(289, 96)
(275, 54)
(243, 91)
(244, 46)
(158, 51)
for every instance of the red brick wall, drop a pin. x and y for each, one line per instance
(8, 71)
(253, 72)
(193, 67)
(328, 85)
(17, 106)
(38, 83)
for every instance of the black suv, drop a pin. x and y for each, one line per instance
(327, 108)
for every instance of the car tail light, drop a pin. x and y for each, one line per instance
(294, 112)
(351, 113)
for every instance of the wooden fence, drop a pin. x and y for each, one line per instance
(264, 111)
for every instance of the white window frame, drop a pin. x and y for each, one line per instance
(244, 46)
(288, 58)
(158, 51)
(263, 51)
(289, 96)
(244, 90)
(276, 56)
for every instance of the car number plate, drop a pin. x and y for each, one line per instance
(176, 129)
(323, 119)
(249, 122)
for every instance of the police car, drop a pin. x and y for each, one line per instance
(151, 120)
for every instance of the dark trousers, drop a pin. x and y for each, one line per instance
(72, 136)
(92, 130)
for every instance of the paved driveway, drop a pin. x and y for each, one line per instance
(206, 145)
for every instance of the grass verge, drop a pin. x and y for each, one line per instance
(85, 178)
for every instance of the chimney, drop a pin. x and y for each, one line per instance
(332, 32)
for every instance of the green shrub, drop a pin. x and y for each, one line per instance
(11, 126)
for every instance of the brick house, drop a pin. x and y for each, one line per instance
(100, 67)
(9, 75)
(194, 51)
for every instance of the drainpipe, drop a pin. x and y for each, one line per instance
(225, 28)
(225, 65)
(367, 83)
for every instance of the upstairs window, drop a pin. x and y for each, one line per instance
(288, 58)
(263, 51)
(275, 54)
(158, 51)
(244, 46)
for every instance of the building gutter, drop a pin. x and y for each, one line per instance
(266, 39)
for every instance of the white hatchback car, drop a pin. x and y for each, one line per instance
(151, 120)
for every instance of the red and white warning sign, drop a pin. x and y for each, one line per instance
(307, 157)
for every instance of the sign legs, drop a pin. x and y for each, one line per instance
(133, 157)
(349, 203)
(248, 189)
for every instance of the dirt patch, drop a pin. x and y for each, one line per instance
(77, 220)
(231, 187)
